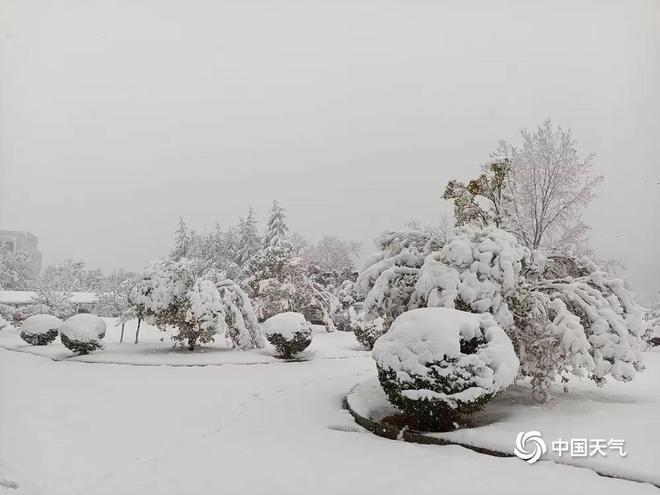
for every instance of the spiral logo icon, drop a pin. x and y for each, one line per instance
(530, 446)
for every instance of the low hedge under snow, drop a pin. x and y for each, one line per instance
(438, 364)
(40, 329)
(289, 333)
(82, 333)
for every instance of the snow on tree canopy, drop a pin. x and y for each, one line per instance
(243, 329)
(40, 324)
(83, 328)
(388, 278)
(474, 270)
(205, 308)
(286, 325)
(162, 283)
(468, 348)
(598, 320)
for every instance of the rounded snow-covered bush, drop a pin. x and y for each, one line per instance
(439, 364)
(367, 332)
(40, 329)
(289, 333)
(82, 333)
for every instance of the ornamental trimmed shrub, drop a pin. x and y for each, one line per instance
(82, 333)
(289, 333)
(40, 329)
(367, 332)
(439, 364)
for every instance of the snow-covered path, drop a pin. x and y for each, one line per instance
(78, 428)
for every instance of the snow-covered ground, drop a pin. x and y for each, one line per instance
(156, 348)
(70, 427)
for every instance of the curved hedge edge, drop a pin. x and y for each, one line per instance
(16, 349)
(393, 432)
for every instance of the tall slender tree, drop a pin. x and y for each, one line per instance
(537, 191)
(248, 237)
(276, 227)
(182, 240)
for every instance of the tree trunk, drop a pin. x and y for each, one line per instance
(137, 331)
(191, 343)
(121, 337)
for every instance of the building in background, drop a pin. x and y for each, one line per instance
(83, 302)
(20, 240)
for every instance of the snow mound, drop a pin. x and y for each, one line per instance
(40, 324)
(287, 325)
(83, 327)
(439, 345)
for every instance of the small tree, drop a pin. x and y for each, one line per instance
(538, 191)
(242, 326)
(199, 318)
(161, 293)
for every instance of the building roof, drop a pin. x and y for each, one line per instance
(26, 297)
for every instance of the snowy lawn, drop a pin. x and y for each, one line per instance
(70, 428)
(627, 411)
(155, 348)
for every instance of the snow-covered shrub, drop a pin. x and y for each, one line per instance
(563, 314)
(346, 297)
(82, 333)
(7, 312)
(388, 278)
(3, 323)
(289, 333)
(243, 331)
(587, 324)
(475, 271)
(367, 332)
(40, 329)
(439, 364)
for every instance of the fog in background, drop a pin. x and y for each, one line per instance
(117, 117)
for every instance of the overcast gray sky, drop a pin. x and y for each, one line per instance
(116, 117)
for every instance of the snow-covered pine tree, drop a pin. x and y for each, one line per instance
(276, 227)
(182, 241)
(248, 238)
